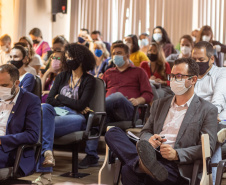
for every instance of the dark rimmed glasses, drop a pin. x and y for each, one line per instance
(178, 77)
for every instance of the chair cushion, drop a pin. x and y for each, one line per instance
(69, 138)
(5, 173)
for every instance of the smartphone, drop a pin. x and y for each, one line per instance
(61, 112)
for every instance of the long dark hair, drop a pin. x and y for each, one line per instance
(135, 43)
(165, 37)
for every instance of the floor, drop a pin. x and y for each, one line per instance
(63, 165)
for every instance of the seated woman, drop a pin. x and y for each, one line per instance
(101, 55)
(35, 59)
(136, 56)
(186, 46)
(161, 37)
(72, 92)
(157, 68)
(19, 58)
(57, 65)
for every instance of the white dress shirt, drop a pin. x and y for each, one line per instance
(5, 110)
(173, 121)
(212, 88)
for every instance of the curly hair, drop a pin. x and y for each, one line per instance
(82, 54)
(193, 67)
(165, 37)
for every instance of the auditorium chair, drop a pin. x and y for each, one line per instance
(37, 90)
(95, 120)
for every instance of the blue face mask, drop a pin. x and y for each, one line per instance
(98, 52)
(81, 40)
(118, 60)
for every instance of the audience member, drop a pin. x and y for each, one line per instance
(206, 34)
(18, 56)
(84, 38)
(35, 59)
(96, 36)
(186, 45)
(27, 67)
(5, 42)
(101, 55)
(136, 56)
(126, 86)
(57, 65)
(180, 119)
(19, 122)
(41, 47)
(161, 37)
(157, 69)
(144, 42)
(194, 34)
(72, 92)
(210, 85)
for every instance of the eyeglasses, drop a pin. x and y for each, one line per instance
(58, 58)
(178, 77)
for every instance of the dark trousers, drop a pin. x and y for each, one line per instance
(125, 150)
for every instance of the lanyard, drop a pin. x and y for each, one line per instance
(75, 84)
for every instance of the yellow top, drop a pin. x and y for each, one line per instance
(138, 57)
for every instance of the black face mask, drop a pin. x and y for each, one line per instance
(73, 64)
(203, 67)
(35, 41)
(152, 57)
(18, 64)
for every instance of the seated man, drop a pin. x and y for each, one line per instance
(175, 126)
(126, 86)
(20, 120)
(211, 85)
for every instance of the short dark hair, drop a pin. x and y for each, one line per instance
(207, 45)
(59, 39)
(189, 38)
(193, 67)
(96, 32)
(36, 32)
(165, 37)
(85, 29)
(135, 43)
(120, 45)
(12, 70)
(82, 54)
(21, 48)
(145, 34)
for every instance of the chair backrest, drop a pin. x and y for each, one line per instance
(98, 101)
(37, 90)
(155, 93)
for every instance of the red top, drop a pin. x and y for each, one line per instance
(132, 83)
(145, 65)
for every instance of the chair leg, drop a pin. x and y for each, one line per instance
(74, 173)
(220, 170)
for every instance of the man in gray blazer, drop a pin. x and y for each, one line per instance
(171, 138)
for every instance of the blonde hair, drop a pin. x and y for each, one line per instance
(103, 47)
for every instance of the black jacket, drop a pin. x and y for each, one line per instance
(85, 92)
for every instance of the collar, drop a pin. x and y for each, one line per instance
(187, 104)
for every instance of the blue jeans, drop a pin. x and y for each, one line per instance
(57, 126)
(118, 108)
(126, 151)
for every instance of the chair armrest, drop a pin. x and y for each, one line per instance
(19, 153)
(90, 124)
(220, 170)
(143, 108)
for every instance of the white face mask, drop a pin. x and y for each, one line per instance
(129, 45)
(157, 37)
(4, 48)
(193, 38)
(185, 50)
(206, 38)
(144, 42)
(178, 87)
(6, 93)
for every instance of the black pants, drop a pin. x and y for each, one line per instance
(125, 150)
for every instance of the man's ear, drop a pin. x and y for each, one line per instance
(194, 79)
(17, 82)
(211, 60)
(25, 60)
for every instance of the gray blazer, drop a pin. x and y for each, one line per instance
(201, 117)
